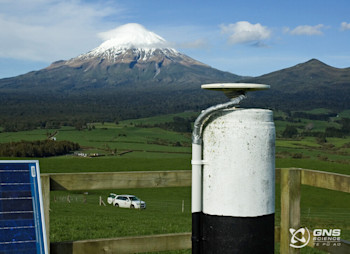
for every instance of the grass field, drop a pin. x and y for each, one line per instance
(128, 147)
(77, 220)
(125, 147)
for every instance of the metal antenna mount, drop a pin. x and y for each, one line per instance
(233, 90)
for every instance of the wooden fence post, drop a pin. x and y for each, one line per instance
(45, 189)
(290, 207)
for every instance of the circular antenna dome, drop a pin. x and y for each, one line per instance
(232, 90)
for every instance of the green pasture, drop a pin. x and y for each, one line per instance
(318, 111)
(105, 138)
(82, 219)
(127, 146)
(345, 113)
(159, 119)
(332, 156)
(136, 145)
(134, 162)
(302, 125)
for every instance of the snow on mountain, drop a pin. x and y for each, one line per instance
(131, 54)
(131, 35)
(133, 42)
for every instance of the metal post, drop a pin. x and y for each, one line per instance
(233, 176)
(239, 182)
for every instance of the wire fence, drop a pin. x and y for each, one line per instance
(182, 205)
(323, 217)
(327, 213)
(178, 205)
(70, 198)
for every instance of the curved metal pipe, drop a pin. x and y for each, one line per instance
(203, 117)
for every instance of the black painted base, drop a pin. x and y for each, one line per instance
(226, 234)
(196, 232)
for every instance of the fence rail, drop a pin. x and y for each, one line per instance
(107, 180)
(125, 245)
(120, 180)
(290, 179)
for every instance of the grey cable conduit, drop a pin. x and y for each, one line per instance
(203, 117)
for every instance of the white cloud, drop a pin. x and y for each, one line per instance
(344, 26)
(49, 30)
(306, 30)
(244, 32)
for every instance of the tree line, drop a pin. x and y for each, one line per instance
(21, 112)
(179, 124)
(320, 117)
(291, 131)
(39, 148)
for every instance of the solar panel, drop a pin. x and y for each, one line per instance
(22, 224)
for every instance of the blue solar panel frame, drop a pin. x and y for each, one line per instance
(22, 222)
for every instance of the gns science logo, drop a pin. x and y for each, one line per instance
(327, 237)
(300, 238)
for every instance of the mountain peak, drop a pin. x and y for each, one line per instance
(131, 35)
(128, 43)
(314, 61)
(313, 66)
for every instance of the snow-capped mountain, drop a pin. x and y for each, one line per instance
(130, 56)
(134, 45)
(134, 71)
(130, 40)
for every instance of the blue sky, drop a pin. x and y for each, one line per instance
(248, 37)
